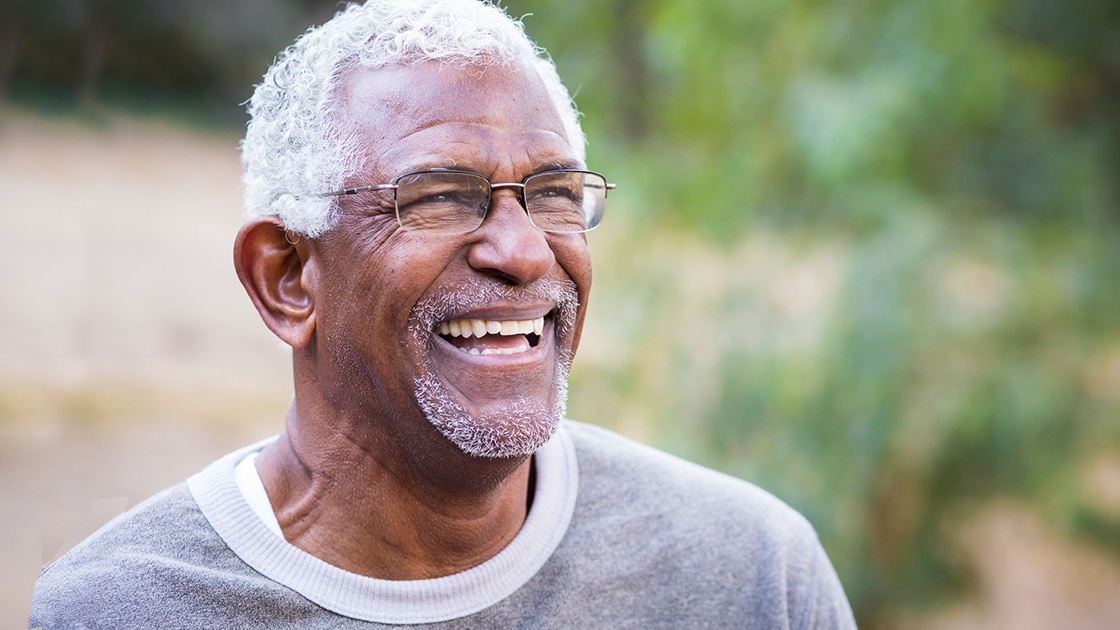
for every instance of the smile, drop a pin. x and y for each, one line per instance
(488, 336)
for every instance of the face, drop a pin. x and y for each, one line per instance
(472, 334)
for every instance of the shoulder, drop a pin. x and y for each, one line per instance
(614, 468)
(156, 565)
(73, 589)
(156, 530)
(128, 556)
(710, 543)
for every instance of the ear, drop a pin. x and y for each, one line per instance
(280, 277)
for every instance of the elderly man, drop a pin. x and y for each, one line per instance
(418, 197)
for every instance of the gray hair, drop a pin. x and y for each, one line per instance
(292, 149)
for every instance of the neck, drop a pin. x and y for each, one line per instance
(357, 497)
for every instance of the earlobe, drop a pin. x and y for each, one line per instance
(280, 274)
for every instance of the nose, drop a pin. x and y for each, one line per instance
(507, 245)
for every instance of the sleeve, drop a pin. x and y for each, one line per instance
(823, 604)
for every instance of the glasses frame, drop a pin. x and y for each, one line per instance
(519, 186)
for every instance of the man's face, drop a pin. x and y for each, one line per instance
(391, 300)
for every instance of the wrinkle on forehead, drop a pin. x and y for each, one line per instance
(538, 152)
(460, 108)
(400, 92)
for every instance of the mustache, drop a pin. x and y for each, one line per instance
(440, 305)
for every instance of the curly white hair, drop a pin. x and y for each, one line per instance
(292, 151)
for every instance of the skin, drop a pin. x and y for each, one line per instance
(359, 477)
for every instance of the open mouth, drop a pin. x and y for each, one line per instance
(488, 336)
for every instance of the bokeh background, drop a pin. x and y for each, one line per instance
(864, 253)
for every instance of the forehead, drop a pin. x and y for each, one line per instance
(432, 115)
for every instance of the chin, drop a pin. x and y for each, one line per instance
(493, 392)
(515, 428)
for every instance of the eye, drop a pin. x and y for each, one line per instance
(449, 196)
(555, 191)
(434, 196)
(555, 187)
(442, 201)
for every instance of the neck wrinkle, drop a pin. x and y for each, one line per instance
(337, 500)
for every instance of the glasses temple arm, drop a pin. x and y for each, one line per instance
(354, 191)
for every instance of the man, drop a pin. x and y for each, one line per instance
(415, 179)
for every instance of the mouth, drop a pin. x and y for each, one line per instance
(493, 362)
(504, 330)
(476, 336)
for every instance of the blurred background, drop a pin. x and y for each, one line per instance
(863, 253)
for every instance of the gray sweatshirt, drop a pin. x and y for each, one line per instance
(619, 536)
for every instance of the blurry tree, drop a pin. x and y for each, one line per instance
(830, 110)
(201, 56)
(965, 159)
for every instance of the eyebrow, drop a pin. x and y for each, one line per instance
(558, 166)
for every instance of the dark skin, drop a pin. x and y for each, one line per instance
(360, 478)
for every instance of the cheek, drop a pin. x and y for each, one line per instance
(360, 270)
(397, 273)
(574, 258)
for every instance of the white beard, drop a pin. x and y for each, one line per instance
(523, 425)
(520, 429)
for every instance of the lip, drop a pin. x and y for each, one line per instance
(499, 312)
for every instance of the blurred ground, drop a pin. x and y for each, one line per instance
(1028, 578)
(130, 358)
(129, 355)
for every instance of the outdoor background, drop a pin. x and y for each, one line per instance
(863, 253)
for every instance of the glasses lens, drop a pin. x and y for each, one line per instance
(566, 201)
(442, 202)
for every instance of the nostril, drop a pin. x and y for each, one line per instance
(510, 252)
(505, 277)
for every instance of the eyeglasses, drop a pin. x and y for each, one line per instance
(456, 202)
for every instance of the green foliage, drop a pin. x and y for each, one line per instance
(835, 112)
(863, 253)
(147, 55)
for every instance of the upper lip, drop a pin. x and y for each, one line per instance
(503, 312)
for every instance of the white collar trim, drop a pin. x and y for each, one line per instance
(216, 491)
(252, 488)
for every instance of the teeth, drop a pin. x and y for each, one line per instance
(495, 351)
(481, 327)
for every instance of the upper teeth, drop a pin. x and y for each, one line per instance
(481, 327)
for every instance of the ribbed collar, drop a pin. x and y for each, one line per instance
(390, 601)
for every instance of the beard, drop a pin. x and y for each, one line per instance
(523, 424)
(519, 429)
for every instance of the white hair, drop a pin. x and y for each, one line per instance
(293, 150)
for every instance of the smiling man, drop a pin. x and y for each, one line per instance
(418, 205)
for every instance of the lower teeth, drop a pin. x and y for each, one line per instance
(492, 351)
